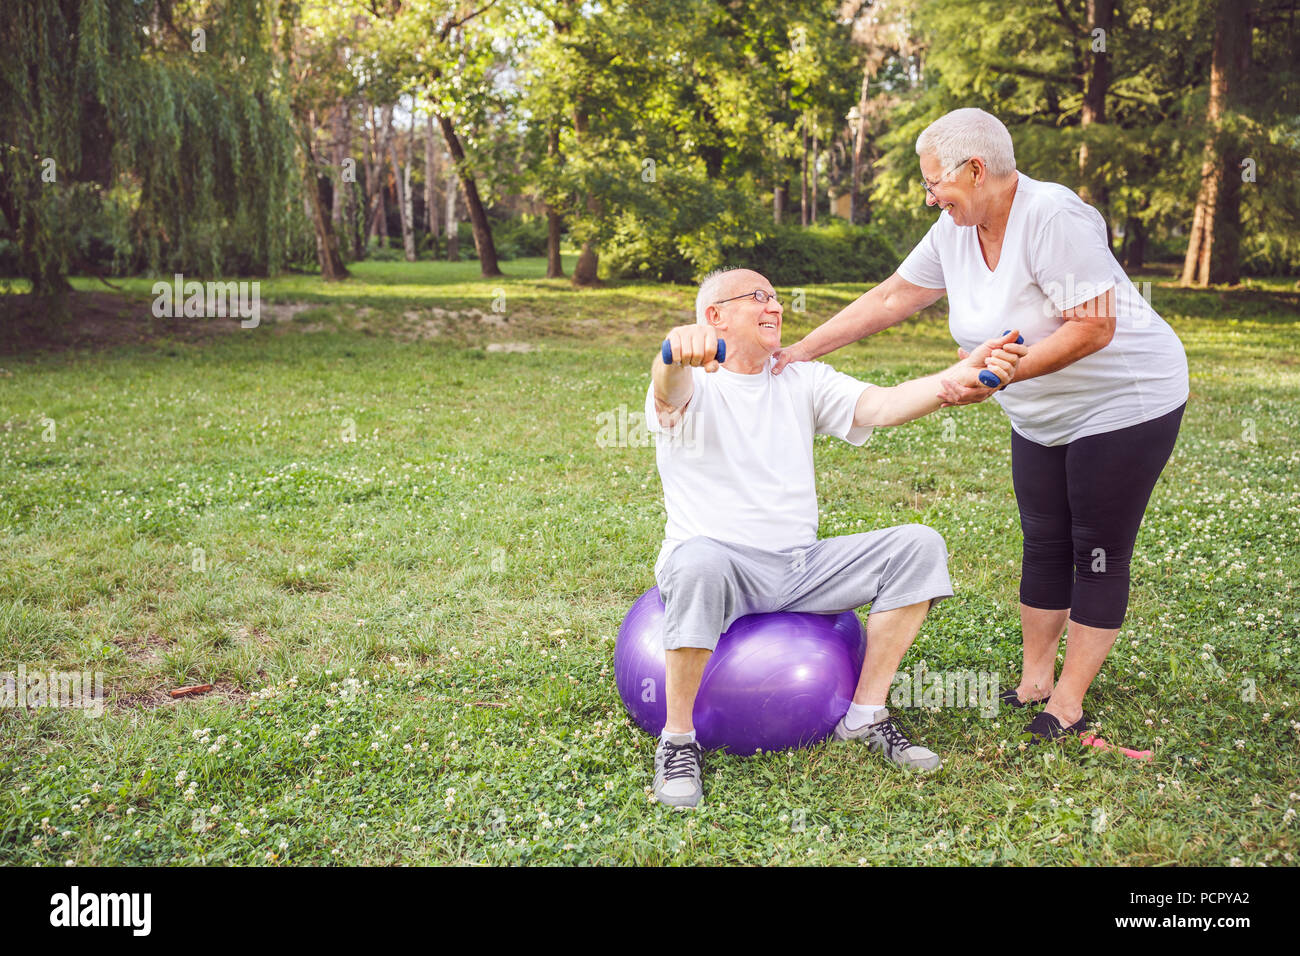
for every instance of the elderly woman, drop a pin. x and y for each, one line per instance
(1095, 405)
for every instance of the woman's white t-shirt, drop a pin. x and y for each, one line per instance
(739, 465)
(1054, 257)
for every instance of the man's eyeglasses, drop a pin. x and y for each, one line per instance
(760, 295)
(926, 184)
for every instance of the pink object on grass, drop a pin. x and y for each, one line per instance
(1092, 740)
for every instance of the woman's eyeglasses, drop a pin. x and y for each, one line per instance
(926, 184)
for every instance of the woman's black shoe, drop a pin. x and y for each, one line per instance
(1045, 726)
(1012, 699)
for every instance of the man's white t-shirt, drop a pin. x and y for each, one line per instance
(739, 465)
(1055, 257)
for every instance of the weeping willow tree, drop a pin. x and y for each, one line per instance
(154, 128)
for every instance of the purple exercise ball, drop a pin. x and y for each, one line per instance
(775, 681)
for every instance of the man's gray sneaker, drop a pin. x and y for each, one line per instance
(887, 736)
(678, 771)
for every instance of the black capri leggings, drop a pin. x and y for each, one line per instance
(1080, 508)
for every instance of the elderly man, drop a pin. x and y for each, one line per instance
(734, 446)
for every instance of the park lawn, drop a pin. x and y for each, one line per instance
(411, 632)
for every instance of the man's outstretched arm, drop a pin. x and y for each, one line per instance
(897, 404)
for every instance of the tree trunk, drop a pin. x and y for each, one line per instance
(803, 192)
(339, 153)
(1135, 243)
(376, 180)
(816, 159)
(859, 151)
(487, 251)
(372, 175)
(354, 228)
(586, 270)
(327, 246)
(402, 182)
(1214, 243)
(554, 266)
(1096, 82)
(450, 222)
(46, 278)
(780, 201)
(386, 134)
(431, 187)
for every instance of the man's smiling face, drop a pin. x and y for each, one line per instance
(745, 320)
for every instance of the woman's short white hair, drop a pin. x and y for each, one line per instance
(966, 133)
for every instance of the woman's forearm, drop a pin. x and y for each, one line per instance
(865, 316)
(1071, 342)
(887, 304)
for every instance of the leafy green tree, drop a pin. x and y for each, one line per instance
(159, 123)
(1130, 137)
(317, 79)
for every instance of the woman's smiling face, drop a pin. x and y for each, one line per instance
(949, 189)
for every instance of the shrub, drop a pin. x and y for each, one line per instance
(681, 227)
(380, 253)
(834, 252)
(655, 247)
(520, 237)
(465, 241)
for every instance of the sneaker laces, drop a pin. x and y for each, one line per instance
(893, 734)
(681, 760)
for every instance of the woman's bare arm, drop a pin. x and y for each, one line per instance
(879, 308)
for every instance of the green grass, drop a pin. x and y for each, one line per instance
(452, 580)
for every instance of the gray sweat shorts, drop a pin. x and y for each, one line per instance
(706, 584)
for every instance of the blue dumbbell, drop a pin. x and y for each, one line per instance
(987, 378)
(667, 352)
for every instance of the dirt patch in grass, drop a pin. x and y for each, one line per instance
(97, 321)
(227, 692)
(148, 651)
(100, 321)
